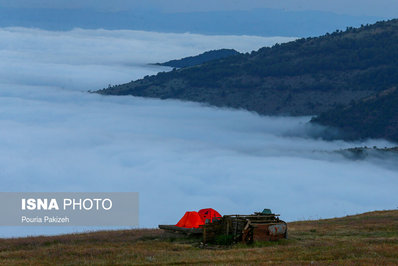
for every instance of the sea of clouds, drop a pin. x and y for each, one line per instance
(93, 59)
(180, 156)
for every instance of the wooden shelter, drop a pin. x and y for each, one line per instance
(245, 228)
(260, 226)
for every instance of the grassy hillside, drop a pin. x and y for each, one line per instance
(304, 77)
(372, 117)
(370, 238)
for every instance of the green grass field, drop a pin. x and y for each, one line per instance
(366, 239)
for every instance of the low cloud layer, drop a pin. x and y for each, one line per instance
(92, 59)
(178, 156)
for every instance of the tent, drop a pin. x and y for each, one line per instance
(209, 214)
(190, 220)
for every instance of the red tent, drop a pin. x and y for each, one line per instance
(190, 220)
(208, 214)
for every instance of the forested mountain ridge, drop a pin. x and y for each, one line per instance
(372, 117)
(303, 77)
(200, 59)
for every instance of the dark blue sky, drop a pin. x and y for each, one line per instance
(379, 8)
(291, 18)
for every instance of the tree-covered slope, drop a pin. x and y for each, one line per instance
(304, 77)
(372, 117)
(200, 59)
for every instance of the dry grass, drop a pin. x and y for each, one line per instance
(366, 239)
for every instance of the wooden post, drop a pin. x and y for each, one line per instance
(204, 234)
(227, 233)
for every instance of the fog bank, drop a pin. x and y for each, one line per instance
(178, 156)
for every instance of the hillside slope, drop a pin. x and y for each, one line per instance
(372, 117)
(304, 77)
(200, 59)
(370, 238)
